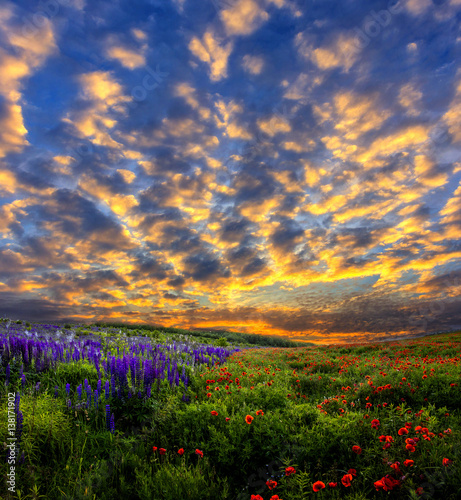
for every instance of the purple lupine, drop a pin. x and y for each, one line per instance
(108, 417)
(79, 392)
(23, 380)
(68, 389)
(37, 386)
(112, 423)
(107, 389)
(56, 389)
(96, 398)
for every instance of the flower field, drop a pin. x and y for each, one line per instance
(95, 413)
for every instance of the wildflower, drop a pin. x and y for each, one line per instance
(162, 451)
(256, 497)
(289, 471)
(402, 431)
(375, 423)
(199, 453)
(317, 486)
(419, 491)
(227, 419)
(259, 412)
(271, 484)
(353, 472)
(214, 413)
(346, 479)
(357, 449)
(209, 395)
(154, 448)
(396, 466)
(332, 485)
(446, 462)
(275, 497)
(408, 463)
(410, 448)
(181, 451)
(249, 419)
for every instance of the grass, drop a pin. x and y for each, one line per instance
(334, 418)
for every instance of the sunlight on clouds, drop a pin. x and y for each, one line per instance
(209, 51)
(228, 121)
(253, 64)
(410, 138)
(453, 116)
(410, 98)
(274, 125)
(189, 94)
(417, 7)
(343, 51)
(243, 17)
(28, 56)
(127, 58)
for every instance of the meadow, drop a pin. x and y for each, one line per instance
(115, 411)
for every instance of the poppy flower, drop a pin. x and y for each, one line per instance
(402, 431)
(271, 484)
(419, 491)
(353, 472)
(256, 497)
(227, 419)
(410, 447)
(317, 486)
(289, 471)
(199, 453)
(375, 423)
(154, 448)
(259, 412)
(396, 466)
(332, 485)
(446, 462)
(275, 497)
(357, 449)
(346, 480)
(249, 419)
(214, 413)
(181, 451)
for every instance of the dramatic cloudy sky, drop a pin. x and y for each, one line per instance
(273, 166)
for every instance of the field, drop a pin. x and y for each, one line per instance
(106, 412)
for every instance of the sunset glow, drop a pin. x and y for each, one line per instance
(287, 167)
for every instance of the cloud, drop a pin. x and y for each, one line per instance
(253, 64)
(209, 51)
(243, 17)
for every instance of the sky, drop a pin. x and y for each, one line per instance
(286, 167)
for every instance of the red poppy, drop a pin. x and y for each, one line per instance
(227, 419)
(256, 497)
(181, 451)
(209, 395)
(162, 451)
(402, 431)
(199, 453)
(410, 447)
(419, 491)
(289, 471)
(259, 412)
(154, 448)
(346, 479)
(271, 484)
(275, 497)
(352, 471)
(332, 485)
(446, 462)
(375, 423)
(317, 486)
(408, 463)
(249, 419)
(357, 449)
(214, 413)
